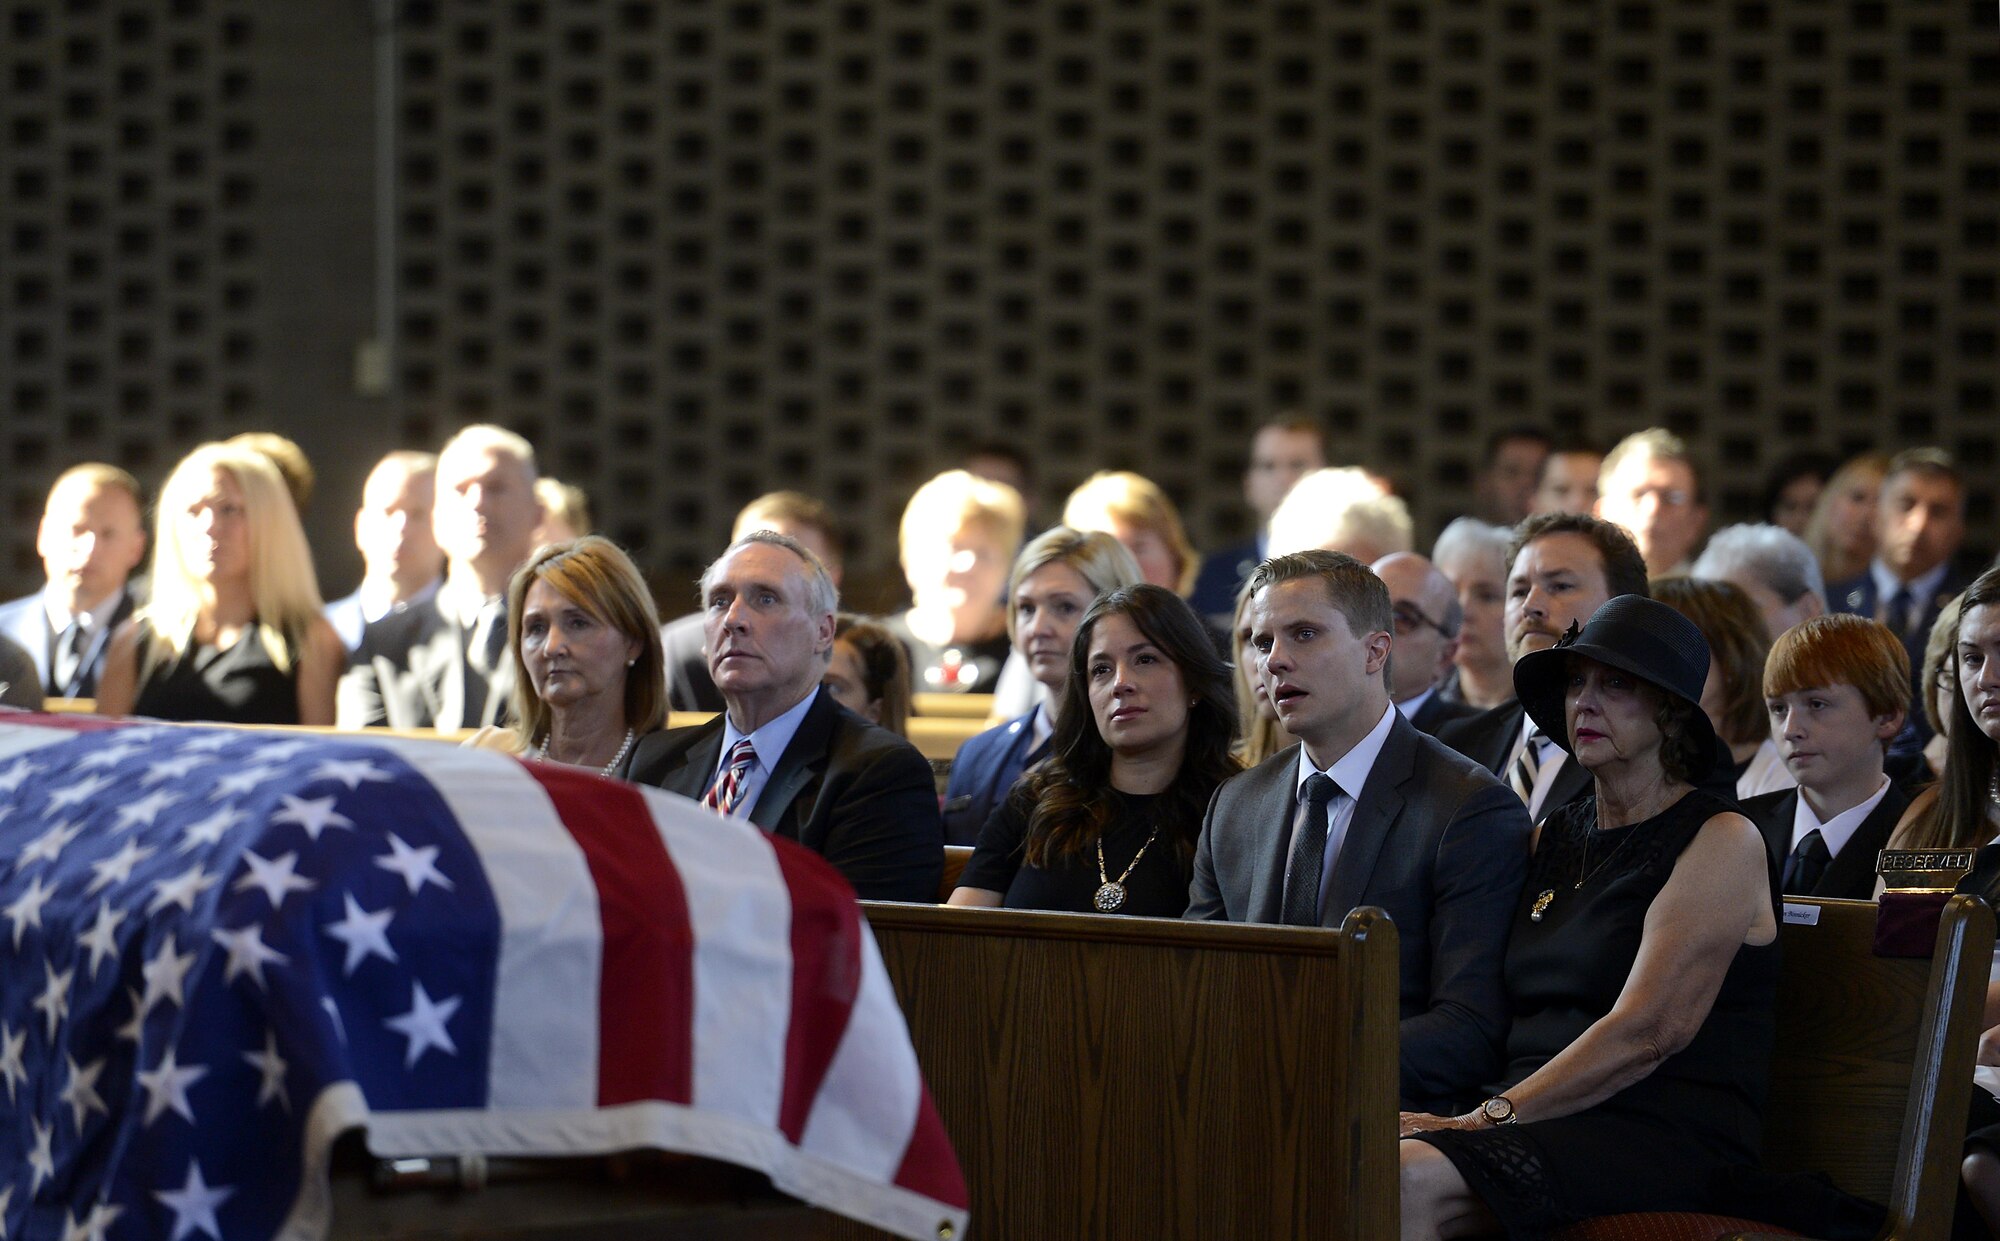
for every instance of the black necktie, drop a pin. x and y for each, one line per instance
(1808, 862)
(1897, 615)
(1301, 905)
(68, 656)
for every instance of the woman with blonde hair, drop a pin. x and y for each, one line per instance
(957, 535)
(589, 670)
(1841, 530)
(234, 631)
(1260, 733)
(1132, 509)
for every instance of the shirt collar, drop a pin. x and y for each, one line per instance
(1041, 726)
(770, 738)
(93, 619)
(1528, 727)
(1410, 706)
(1840, 829)
(1921, 589)
(376, 604)
(1350, 770)
(461, 602)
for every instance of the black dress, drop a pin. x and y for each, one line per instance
(1654, 1145)
(1157, 886)
(238, 686)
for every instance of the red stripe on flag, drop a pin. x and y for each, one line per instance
(645, 999)
(826, 976)
(929, 1167)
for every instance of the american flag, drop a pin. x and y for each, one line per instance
(221, 949)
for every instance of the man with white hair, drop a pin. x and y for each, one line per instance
(91, 539)
(1341, 510)
(401, 563)
(444, 663)
(784, 754)
(1771, 565)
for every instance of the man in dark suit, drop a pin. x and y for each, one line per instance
(1368, 811)
(1561, 568)
(784, 754)
(92, 537)
(793, 513)
(1425, 610)
(1919, 528)
(1836, 686)
(443, 663)
(1283, 451)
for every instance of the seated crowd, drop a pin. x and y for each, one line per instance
(1579, 753)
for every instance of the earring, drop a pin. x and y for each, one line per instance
(630, 662)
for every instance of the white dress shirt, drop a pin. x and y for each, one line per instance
(1838, 830)
(1350, 773)
(1550, 758)
(768, 740)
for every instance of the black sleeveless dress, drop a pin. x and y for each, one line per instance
(1654, 1145)
(238, 686)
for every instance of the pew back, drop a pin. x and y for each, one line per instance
(1147, 1078)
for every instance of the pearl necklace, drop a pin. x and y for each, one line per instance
(541, 754)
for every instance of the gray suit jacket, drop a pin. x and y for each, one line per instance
(410, 671)
(1437, 843)
(26, 621)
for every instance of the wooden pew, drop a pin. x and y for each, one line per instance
(952, 706)
(1143, 1078)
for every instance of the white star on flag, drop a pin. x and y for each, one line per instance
(353, 772)
(315, 815)
(98, 939)
(244, 781)
(26, 911)
(117, 868)
(53, 1002)
(282, 751)
(135, 1025)
(166, 1087)
(416, 866)
(365, 934)
(209, 831)
(423, 1025)
(81, 1093)
(113, 754)
(6, 1201)
(194, 1204)
(93, 1226)
(274, 877)
(12, 1069)
(248, 953)
(13, 773)
(78, 793)
(165, 975)
(271, 1069)
(333, 1014)
(145, 810)
(175, 768)
(41, 1160)
(183, 889)
(49, 845)
(207, 742)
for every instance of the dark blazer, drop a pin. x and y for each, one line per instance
(1859, 596)
(410, 671)
(853, 792)
(1851, 874)
(1488, 738)
(1436, 842)
(1221, 575)
(19, 685)
(1438, 711)
(26, 621)
(689, 687)
(984, 768)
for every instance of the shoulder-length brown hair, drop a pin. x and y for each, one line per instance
(1957, 819)
(596, 575)
(1071, 791)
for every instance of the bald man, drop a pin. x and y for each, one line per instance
(92, 537)
(1426, 616)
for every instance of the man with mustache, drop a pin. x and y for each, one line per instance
(1563, 567)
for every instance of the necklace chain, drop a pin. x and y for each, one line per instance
(1110, 894)
(1583, 875)
(541, 753)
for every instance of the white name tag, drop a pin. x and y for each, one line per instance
(1801, 915)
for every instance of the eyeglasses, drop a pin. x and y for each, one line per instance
(1409, 618)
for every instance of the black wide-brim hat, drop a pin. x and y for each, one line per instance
(1633, 634)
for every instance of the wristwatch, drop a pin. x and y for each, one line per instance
(1498, 1110)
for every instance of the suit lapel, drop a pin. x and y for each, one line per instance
(698, 762)
(1273, 809)
(446, 686)
(801, 763)
(1375, 811)
(28, 625)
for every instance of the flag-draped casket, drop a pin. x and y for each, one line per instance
(221, 949)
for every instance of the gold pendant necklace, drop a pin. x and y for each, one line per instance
(1110, 894)
(1547, 896)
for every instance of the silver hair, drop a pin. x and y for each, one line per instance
(1471, 536)
(1770, 554)
(822, 596)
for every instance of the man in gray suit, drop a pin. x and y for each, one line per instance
(443, 663)
(1366, 810)
(92, 537)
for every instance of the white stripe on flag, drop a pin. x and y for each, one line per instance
(867, 1107)
(17, 739)
(545, 1019)
(741, 914)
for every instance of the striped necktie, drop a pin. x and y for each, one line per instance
(1527, 765)
(727, 791)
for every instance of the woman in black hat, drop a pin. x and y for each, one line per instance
(1641, 971)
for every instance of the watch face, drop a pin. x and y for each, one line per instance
(1497, 1110)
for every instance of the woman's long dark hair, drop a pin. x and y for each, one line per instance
(1957, 819)
(1071, 791)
